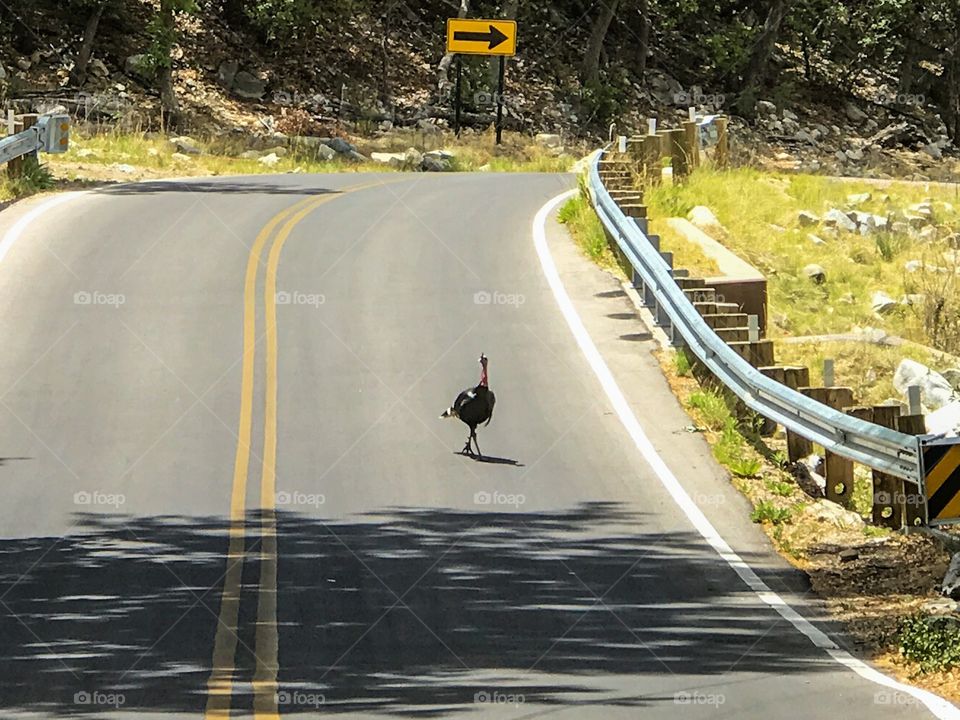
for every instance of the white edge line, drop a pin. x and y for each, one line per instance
(937, 705)
(14, 233)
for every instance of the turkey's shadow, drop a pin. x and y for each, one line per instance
(492, 460)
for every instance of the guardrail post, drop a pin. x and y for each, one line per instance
(692, 141)
(753, 328)
(722, 153)
(915, 504)
(888, 500)
(798, 447)
(838, 471)
(828, 374)
(678, 154)
(652, 165)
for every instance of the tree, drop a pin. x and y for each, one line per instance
(590, 70)
(759, 59)
(164, 32)
(94, 8)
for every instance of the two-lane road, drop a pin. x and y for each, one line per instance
(227, 492)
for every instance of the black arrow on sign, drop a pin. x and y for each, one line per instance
(494, 37)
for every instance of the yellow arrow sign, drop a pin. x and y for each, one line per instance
(482, 37)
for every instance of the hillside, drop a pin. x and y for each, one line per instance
(827, 87)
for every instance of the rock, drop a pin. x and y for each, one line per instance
(392, 159)
(138, 66)
(98, 68)
(3, 73)
(841, 156)
(341, 146)
(414, 157)
(950, 587)
(703, 218)
(248, 86)
(765, 107)
(935, 391)
(830, 513)
(790, 115)
(945, 421)
(840, 220)
(859, 198)
(24, 64)
(953, 240)
(854, 154)
(847, 298)
(804, 136)
(186, 145)
(807, 218)
(125, 169)
(226, 73)
(881, 303)
(912, 266)
(848, 555)
(356, 157)
(816, 240)
(933, 151)
(326, 153)
(952, 376)
(86, 152)
(549, 140)
(924, 209)
(269, 160)
(927, 234)
(940, 607)
(434, 164)
(853, 113)
(279, 151)
(181, 158)
(250, 155)
(816, 273)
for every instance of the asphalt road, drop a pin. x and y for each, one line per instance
(226, 489)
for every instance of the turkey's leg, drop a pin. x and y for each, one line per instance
(473, 436)
(467, 450)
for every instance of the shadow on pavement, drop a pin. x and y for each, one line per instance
(403, 612)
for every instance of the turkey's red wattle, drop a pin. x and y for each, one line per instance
(483, 377)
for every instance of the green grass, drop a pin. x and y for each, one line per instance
(932, 642)
(750, 203)
(587, 230)
(681, 363)
(779, 487)
(767, 513)
(712, 409)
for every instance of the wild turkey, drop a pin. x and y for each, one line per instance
(473, 407)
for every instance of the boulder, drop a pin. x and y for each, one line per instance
(854, 154)
(853, 113)
(765, 107)
(340, 146)
(186, 145)
(181, 158)
(935, 390)
(549, 140)
(807, 218)
(859, 198)
(945, 421)
(434, 164)
(928, 233)
(269, 160)
(98, 68)
(790, 115)
(816, 273)
(839, 219)
(952, 376)
(392, 159)
(248, 86)
(829, 513)
(226, 73)
(816, 239)
(138, 66)
(950, 587)
(250, 155)
(703, 218)
(881, 303)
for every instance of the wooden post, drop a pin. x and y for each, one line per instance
(722, 154)
(679, 155)
(914, 505)
(838, 471)
(888, 500)
(692, 141)
(652, 166)
(798, 447)
(828, 366)
(15, 166)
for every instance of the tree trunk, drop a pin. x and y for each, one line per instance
(590, 71)
(643, 39)
(78, 76)
(443, 71)
(168, 97)
(760, 57)
(908, 67)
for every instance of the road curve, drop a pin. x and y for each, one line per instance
(227, 492)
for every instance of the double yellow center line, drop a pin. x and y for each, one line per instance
(221, 681)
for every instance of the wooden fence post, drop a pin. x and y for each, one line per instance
(888, 500)
(722, 153)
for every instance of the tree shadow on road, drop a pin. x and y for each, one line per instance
(409, 612)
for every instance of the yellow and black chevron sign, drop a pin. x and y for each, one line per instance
(941, 469)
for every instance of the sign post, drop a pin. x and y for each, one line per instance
(458, 102)
(482, 37)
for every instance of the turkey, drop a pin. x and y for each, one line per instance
(473, 407)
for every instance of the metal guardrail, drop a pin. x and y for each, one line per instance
(880, 448)
(51, 134)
